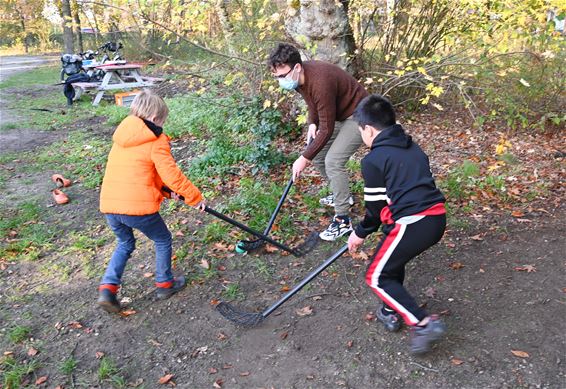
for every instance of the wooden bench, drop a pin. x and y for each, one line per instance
(84, 87)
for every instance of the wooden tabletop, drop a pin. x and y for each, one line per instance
(120, 67)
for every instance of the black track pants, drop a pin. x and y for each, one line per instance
(400, 244)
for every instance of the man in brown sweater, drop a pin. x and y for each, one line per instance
(331, 95)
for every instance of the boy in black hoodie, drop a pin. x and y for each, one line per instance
(399, 193)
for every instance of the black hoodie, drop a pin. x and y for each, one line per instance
(398, 181)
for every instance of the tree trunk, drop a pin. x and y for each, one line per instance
(77, 26)
(221, 7)
(67, 26)
(322, 26)
(24, 32)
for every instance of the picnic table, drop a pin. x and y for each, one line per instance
(116, 76)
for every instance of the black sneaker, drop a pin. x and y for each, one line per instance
(340, 226)
(107, 300)
(178, 284)
(423, 337)
(392, 321)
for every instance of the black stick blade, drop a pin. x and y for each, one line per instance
(241, 318)
(309, 244)
(251, 245)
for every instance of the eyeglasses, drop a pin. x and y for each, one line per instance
(284, 75)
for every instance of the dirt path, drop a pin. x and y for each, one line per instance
(499, 284)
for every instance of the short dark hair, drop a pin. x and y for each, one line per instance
(284, 54)
(376, 111)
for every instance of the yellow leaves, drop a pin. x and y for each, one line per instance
(266, 104)
(301, 119)
(502, 146)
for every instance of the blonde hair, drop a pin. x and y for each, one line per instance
(148, 105)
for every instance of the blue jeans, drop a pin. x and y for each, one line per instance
(151, 226)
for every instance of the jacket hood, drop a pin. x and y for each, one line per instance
(133, 132)
(392, 136)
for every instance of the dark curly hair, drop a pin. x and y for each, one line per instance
(284, 54)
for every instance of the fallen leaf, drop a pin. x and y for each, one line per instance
(204, 264)
(165, 379)
(430, 292)
(32, 352)
(476, 237)
(456, 361)
(99, 354)
(212, 370)
(218, 383)
(227, 366)
(270, 249)
(221, 336)
(136, 383)
(285, 288)
(214, 302)
(244, 374)
(456, 265)
(316, 298)
(305, 311)
(154, 342)
(41, 380)
(75, 324)
(179, 233)
(350, 344)
(520, 354)
(284, 335)
(59, 387)
(527, 268)
(221, 268)
(148, 275)
(127, 312)
(517, 214)
(6, 353)
(370, 316)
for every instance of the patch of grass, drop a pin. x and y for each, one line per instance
(233, 292)
(68, 366)
(81, 242)
(263, 269)
(61, 271)
(114, 113)
(8, 126)
(216, 231)
(108, 372)
(32, 235)
(182, 253)
(85, 157)
(45, 75)
(18, 334)
(257, 200)
(13, 372)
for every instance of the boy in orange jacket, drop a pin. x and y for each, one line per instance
(139, 173)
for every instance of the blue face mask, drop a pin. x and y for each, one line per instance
(288, 83)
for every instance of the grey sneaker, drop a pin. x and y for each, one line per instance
(423, 337)
(336, 229)
(329, 200)
(392, 322)
(178, 284)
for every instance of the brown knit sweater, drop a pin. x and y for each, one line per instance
(331, 95)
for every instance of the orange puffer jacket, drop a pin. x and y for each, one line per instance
(139, 165)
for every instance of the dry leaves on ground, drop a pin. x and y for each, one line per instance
(520, 354)
(165, 379)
